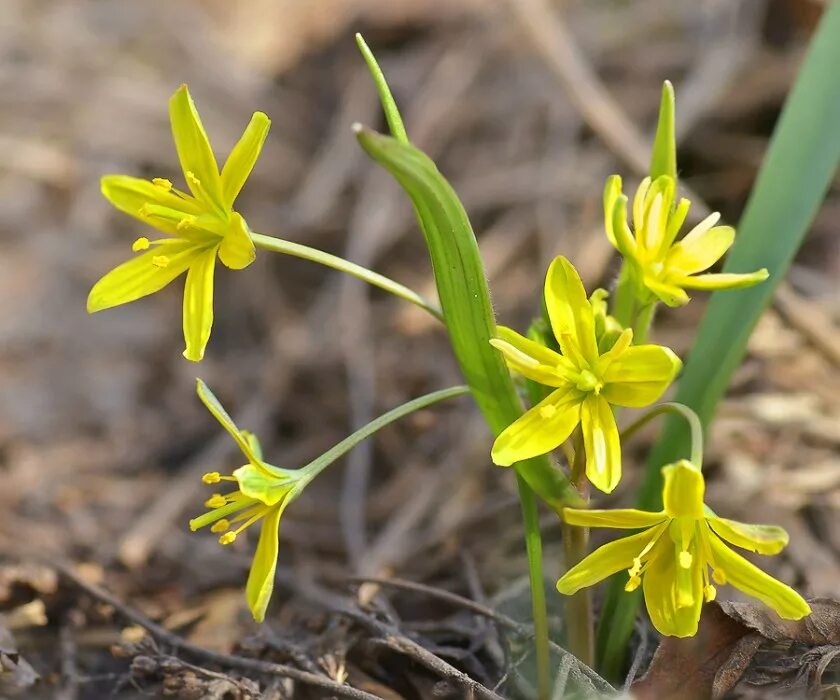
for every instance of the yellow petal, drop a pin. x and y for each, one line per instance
(198, 305)
(674, 606)
(670, 293)
(600, 439)
(658, 202)
(753, 581)
(699, 251)
(683, 491)
(530, 359)
(140, 277)
(569, 309)
(764, 539)
(130, 194)
(624, 518)
(624, 340)
(241, 160)
(208, 398)
(722, 280)
(261, 577)
(541, 429)
(640, 375)
(194, 150)
(603, 562)
(615, 217)
(237, 249)
(639, 200)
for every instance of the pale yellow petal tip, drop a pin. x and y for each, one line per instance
(194, 355)
(500, 459)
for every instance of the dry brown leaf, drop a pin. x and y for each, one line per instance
(821, 627)
(685, 669)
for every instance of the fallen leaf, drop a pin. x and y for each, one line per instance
(821, 627)
(685, 669)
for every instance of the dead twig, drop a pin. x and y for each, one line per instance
(178, 643)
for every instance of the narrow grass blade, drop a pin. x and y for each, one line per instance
(663, 160)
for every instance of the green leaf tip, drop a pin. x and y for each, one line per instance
(663, 159)
(389, 105)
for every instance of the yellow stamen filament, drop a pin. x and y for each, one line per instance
(163, 183)
(215, 501)
(141, 243)
(160, 261)
(220, 525)
(211, 478)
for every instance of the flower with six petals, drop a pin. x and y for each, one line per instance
(671, 557)
(263, 493)
(586, 381)
(199, 225)
(661, 266)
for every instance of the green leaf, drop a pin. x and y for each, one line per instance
(389, 106)
(663, 160)
(465, 297)
(797, 171)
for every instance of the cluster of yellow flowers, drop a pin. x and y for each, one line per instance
(594, 367)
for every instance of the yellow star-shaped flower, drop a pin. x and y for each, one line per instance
(586, 381)
(199, 226)
(661, 266)
(263, 494)
(673, 554)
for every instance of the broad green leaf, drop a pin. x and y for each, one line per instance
(797, 171)
(663, 160)
(464, 297)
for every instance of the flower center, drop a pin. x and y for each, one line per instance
(587, 381)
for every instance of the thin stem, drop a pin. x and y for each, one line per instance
(685, 412)
(278, 245)
(533, 546)
(315, 467)
(643, 322)
(389, 106)
(579, 631)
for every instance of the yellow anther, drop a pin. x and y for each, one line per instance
(186, 222)
(144, 210)
(190, 175)
(709, 593)
(548, 411)
(162, 182)
(719, 577)
(220, 525)
(211, 478)
(215, 501)
(141, 243)
(227, 538)
(686, 559)
(636, 568)
(160, 261)
(633, 583)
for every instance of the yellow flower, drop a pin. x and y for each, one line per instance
(666, 269)
(263, 493)
(672, 556)
(199, 226)
(585, 380)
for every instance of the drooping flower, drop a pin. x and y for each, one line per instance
(263, 493)
(663, 267)
(199, 226)
(586, 381)
(671, 557)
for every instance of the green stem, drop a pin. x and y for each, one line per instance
(579, 635)
(278, 245)
(643, 322)
(533, 546)
(681, 410)
(316, 466)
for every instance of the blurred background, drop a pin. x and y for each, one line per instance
(103, 441)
